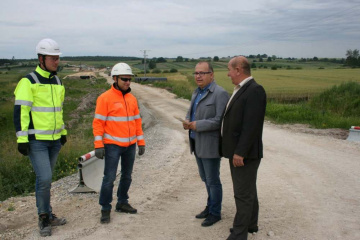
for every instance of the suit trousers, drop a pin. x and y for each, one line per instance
(246, 200)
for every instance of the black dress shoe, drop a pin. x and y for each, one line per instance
(250, 230)
(125, 207)
(253, 229)
(204, 213)
(210, 220)
(105, 216)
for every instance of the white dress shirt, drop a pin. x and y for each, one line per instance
(236, 89)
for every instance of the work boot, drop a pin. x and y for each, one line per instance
(44, 225)
(125, 207)
(204, 213)
(105, 216)
(210, 220)
(55, 221)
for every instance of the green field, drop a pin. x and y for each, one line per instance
(280, 83)
(293, 90)
(306, 82)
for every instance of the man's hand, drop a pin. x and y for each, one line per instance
(192, 125)
(186, 124)
(63, 140)
(24, 148)
(189, 125)
(99, 153)
(141, 150)
(238, 161)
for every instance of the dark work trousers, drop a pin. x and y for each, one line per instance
(246, 200)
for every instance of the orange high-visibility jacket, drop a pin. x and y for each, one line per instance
(117, 120)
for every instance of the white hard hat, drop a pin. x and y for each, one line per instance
(121, 69)
(48, 46)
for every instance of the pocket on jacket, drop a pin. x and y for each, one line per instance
(209, 110)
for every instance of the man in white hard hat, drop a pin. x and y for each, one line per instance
(117, 129)
(39, 124)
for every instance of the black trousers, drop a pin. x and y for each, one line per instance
(246, 200)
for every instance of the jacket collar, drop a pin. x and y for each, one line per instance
(44, 73)
(211, 87)
(237, 95)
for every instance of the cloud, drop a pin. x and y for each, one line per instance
(174, 28)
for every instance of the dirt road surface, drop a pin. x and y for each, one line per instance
(308, 187)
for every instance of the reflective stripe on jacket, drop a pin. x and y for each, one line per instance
(38, 110)
(117, 120)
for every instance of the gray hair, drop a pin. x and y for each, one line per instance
(210, 67)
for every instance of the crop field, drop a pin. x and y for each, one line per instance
(280, 83)
(302, 81)
(296, 83)
(295, 91)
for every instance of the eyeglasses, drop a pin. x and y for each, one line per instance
(200, 73)
(125, 79)
(54, 59)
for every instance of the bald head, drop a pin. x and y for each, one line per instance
(238, 69)
(243, 63)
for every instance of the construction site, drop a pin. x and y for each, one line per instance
(308, 185)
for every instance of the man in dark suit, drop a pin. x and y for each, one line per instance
(241, 142)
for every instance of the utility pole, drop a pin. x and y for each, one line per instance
(144, 51)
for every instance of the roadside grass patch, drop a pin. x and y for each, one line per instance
(338, 107)
(342, 100)
(181, 84)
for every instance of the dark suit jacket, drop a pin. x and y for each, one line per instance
(243, 123)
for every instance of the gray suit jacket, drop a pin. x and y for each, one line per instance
(208, 118)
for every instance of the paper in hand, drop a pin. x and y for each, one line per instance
(180, 119)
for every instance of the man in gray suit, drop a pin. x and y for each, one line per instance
(208, 103)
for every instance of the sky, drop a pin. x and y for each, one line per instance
(187, 28)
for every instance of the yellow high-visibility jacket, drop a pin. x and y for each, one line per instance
(38, 110)
(117, 120)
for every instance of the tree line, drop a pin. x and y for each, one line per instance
(352, 58)
(99, 58)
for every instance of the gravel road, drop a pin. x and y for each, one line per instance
(308, 187)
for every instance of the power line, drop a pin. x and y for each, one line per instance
(145, 55)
